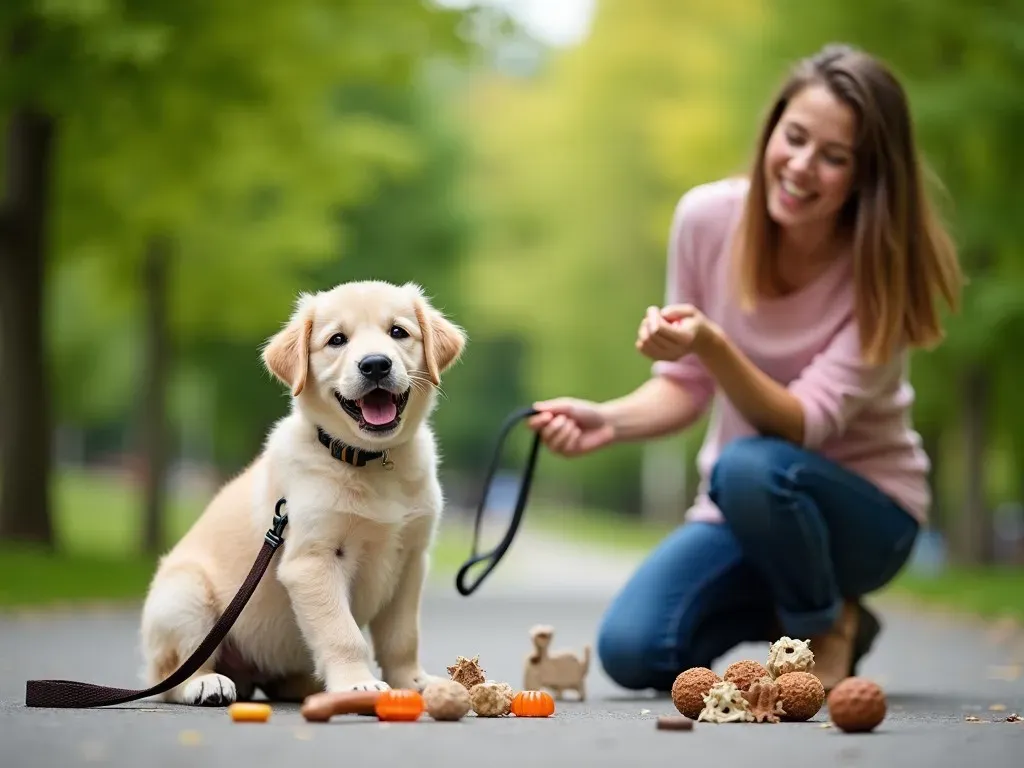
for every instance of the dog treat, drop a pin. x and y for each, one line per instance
(557, 671)
(467, 671)
(533, 704)
(724, 703)
(763, 699)
(689, 689)
(857, 705)
(490, 699)
(674, 723)
(399, 704)
(745, 673)
(446, 700)
(321, 707)
(249, 712)
(789, 655)
(801, 694)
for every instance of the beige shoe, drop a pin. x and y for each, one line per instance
(834, 650)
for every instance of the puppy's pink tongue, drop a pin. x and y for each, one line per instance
(378, 408)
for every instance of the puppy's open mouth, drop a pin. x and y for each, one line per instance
(377, 411)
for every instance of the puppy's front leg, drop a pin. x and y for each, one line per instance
(318, 587)
(396, 629)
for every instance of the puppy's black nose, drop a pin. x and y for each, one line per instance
(375, 367)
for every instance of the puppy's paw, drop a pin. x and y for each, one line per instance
(209, 691)
(371, 684)
(354, 678)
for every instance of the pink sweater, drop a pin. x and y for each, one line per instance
(856, 415)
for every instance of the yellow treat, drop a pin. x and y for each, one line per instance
(249, 712)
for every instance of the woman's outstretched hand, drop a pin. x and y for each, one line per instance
(571, 427)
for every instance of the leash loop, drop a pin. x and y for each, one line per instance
(495, 555)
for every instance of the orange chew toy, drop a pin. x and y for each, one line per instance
(399, 704)
(533, 704)
(249, 712)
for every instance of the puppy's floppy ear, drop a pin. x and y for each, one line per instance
(443, 341)
(286, 355)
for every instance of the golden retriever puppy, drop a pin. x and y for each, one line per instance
(355, 460)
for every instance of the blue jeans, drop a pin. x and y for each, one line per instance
(801, 534)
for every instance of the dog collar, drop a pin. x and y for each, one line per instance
(357, 457)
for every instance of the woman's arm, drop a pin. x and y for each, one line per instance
(658, 407)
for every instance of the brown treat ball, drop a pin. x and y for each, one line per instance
(446, 700)
(801, 694)
(467, 671)
(689, 689)
(490, 699)
(745, 673)
(857, 705)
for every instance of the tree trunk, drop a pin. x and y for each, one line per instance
(25, 436)
(155, 435)
(976, 519)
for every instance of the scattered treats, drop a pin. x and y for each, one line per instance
(724, 703)
(801, 694)
(745, 673)
(857, 705)
(321, 707)
(399, 704)
(763, 699)
(533, 704)
(674, 723)
(689, 689)
(446, 700)
(467, 671)
(490, 699)
(558, 671)
(789, 655)
(249, 712)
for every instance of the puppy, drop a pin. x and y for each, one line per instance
(356, 462)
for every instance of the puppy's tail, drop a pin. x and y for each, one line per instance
(586, 658)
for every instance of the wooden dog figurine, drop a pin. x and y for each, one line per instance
(559, 672)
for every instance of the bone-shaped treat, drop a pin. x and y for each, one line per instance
(321, 707)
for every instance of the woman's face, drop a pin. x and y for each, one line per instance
(808, 163)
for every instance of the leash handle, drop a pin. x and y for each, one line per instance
(495, 555)
(72, 693)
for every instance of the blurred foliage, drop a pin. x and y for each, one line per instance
(529, 190)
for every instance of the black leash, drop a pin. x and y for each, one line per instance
(495, 555)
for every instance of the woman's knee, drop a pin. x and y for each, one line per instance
(749, 479)
(629, 656)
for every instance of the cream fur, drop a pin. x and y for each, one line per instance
(302, 630)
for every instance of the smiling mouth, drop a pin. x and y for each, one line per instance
(379, 410)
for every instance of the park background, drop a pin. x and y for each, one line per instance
(174, 172)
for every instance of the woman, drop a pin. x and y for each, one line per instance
(793, 300)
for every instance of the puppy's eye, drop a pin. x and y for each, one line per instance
(397, 332)
(337, 340)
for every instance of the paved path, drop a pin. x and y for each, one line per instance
(936, 671)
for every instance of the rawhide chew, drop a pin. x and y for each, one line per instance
(467, 671)
(490, 699)
(446, 700)
(724, 703)
(763, 699)
(689, 689)
(321, 707)
(789, 655)
(802, 695)
(674, 723)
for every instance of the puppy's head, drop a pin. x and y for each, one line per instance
(363, 359)
(541, 634)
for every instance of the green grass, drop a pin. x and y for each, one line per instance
(990, 593)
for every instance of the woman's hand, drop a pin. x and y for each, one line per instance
(571, 427)
(673, 331)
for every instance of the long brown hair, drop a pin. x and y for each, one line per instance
(904, 258)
